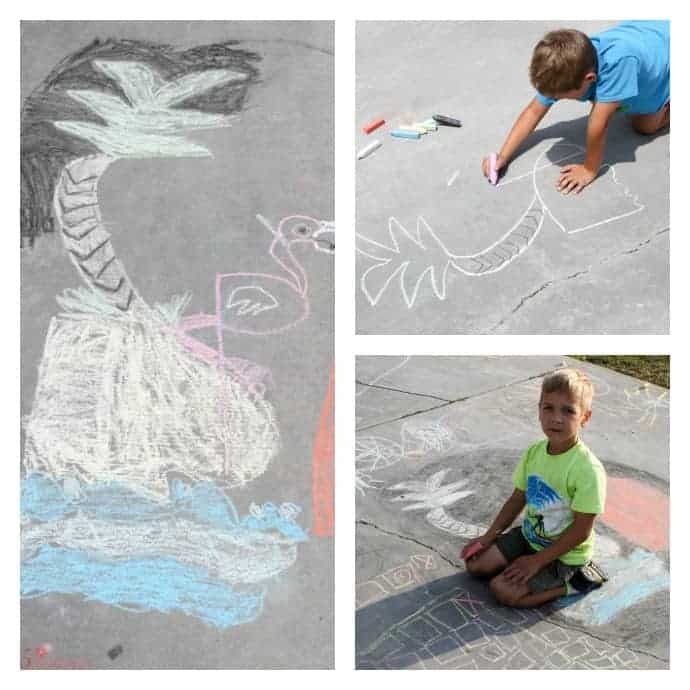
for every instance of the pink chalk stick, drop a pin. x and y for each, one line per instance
(373, 125)
(493, 173)
(467, 553)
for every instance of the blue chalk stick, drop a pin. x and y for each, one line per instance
(405, 134)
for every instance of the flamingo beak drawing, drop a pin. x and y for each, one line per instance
(324, 237)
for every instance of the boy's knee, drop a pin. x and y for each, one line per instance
(651, 124)
(478, 567)
(645, 127)
(504, 594)
(474, 567)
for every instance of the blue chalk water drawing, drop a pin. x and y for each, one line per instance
(633, 578)
(191, 553)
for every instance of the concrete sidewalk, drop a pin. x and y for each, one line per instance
(424, 423)
(442, 251)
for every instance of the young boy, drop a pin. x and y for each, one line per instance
(625, 68)
(563, 486)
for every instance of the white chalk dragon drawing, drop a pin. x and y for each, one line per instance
(412, 256)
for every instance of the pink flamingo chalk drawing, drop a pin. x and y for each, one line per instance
(261, 303)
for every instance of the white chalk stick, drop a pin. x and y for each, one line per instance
(368, 149)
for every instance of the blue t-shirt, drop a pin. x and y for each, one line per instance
(634, 67)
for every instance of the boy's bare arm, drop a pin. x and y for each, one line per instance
(525, 567)
(510, 510)
(574, 178)
(525, 124)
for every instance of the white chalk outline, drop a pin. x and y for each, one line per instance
(485, 259)
(431, 495)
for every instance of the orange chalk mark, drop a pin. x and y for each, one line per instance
(639, 512)
(323, 466)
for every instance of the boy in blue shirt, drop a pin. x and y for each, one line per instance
(625, 68)
(562, 487)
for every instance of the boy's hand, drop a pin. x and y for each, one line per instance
(486, 167)
(522, 569)
(574, 178)
(484, 541)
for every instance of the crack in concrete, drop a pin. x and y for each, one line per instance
(366, 523)
(404, 416)
(640, 245)
(533, 294)
(400, 390)
(452, 402)
(558, 624)
(636, 248)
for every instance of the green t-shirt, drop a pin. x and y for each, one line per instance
(555, 486)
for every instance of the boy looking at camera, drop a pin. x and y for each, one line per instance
(563, 487)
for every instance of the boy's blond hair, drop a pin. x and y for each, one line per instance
(572, 381)
(560, 62)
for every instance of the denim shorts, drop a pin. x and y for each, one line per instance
(512, 545)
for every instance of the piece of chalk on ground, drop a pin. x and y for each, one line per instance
(115, 651)
(368, 149)
(428, 126)
(405, 134)
(373, 125)
(444, 120)
(466, 553)
(493, 173)
(413, 128)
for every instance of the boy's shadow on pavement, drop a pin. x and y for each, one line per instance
(622, 140)
(453, 613)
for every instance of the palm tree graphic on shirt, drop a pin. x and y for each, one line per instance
(553, 516)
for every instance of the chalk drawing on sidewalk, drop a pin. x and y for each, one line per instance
(638, 511)
(433, 496)
(412, 256)
(633, 578)
(649, 402)
(425, 439)
(129, 409)
(191, 552)
(267, 303)
(118, 399)
(454, 630)
(323, 466)
(415, 571)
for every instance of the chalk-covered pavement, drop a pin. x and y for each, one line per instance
(439, 250)
(432, 429)
(177, 484)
